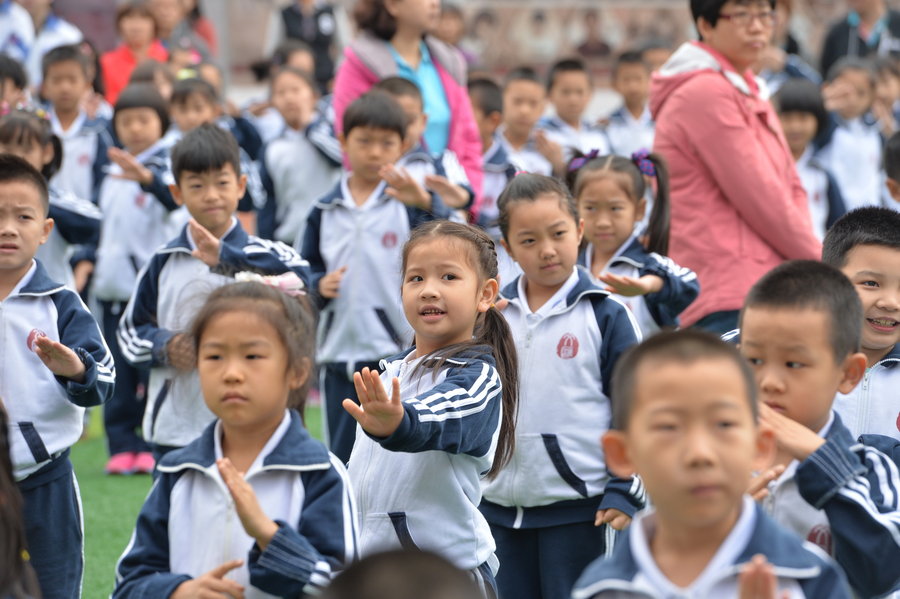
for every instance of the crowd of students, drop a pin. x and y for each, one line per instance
(473, 330)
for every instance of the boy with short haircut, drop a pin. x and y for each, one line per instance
(85, 140)
(55, 363)
(686, 420)
(569, 89)
(524, 100)
(353, 240)
(13, 81)
(631, 127)
(865, 246)
(210, 250)
(800, 332)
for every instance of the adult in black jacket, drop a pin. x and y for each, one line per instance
(870, 28)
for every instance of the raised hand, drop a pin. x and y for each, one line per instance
(630, 286)
(617, 519)
(403, 187)
(452, 194)
(212, 585)
(757, 580)
(180, 352)
(378, 414)
(208, 245)
(59, 359)
(795, 439)
(759, 484)
(131, 168)
(550, 150)
(330, 284)
(253, 518)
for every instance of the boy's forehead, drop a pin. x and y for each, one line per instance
(705, 382)
(17, 192)
(872, 258)
(225, 169)
(374, 131)
(800, 327)
(521, 86)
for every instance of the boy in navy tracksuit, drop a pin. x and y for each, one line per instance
(686, 418)
(800, 332)
(55, 363)
(353, 239)
(206, 254)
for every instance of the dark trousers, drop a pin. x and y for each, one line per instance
(545, 563)
(53, 528)
(123, 413)
(336, 385)
(719, 323)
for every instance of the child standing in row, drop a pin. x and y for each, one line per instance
(449, 417)
(631, 128)
(549, 505)
(255, 507)
(611, 196)
(524, 100)
(352, 240)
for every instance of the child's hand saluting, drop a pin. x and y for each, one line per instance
(213, 584)
(61, 360)
(253, 518)
(378, 414)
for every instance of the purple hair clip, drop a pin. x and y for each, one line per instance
(641, 159)
(579, 162)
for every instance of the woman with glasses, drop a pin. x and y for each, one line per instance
(738, 206)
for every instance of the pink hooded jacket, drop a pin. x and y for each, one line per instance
(738, 206)
(367, 60)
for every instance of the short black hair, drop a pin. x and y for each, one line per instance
(852, 63)
(566, 65)
(69, 53)
(528, 187)
(486, 95)
(143, 95)
(306, 77)
(630, 57)
(808, 284)
(710, 9)
(185, 88)
(402, 574)
(521, 74)
(13, 168)
(871, 225)
(802, 95)
(892, 157)
(378, 110)
(685, 347)
(400, 87)
(205, 148)
(13, 70)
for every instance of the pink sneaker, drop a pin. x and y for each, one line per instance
(144, 462)
(121, 463)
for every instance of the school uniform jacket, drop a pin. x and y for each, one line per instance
(498, 172)
(845, 498)
(654, 310)
(419, 163)
(585, 139)
(873, 407)
(85, 145)
(75, 222)
(46, 412)
(800, 568)
(170, 291)
(826, 204)
(627, 134)
(188, 524)
(366, 321)
(852, 151)
(420, 487)
(566, 358)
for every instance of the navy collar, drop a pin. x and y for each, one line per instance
(297, 450)
(41, 283)
(892, 358)
(585, 286)
(235, 236)
(496, 158)
(473, 354)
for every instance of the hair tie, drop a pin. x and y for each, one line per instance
(641, 159)
(579, 162)
(288, 282)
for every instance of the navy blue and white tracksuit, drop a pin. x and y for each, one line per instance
(420, 163)
(627, 134)
(826, 204)
(542, 505)
(586, 138)
(188, 524)
(873, 407)
(85, 145)
(76, 222)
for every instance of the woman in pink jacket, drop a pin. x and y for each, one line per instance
(738, 206)
(393, 40)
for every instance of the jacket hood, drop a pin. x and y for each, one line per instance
(689, 60)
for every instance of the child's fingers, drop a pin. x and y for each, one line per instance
(223, 569)
(620, 522)
(354, 410)
(360, 386)
(599, 517)
(224, 586)
(374, 388)
(395, 390)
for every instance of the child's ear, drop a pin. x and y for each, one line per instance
(615, 452)
(342, 139)
(298, 375)
(495, 118)
(47, 154)
(765, 448)
(852, 371)
(580, 230)
(242, 185)
(640, 210)
(488, 294)
(893, 189)
(48, 227)
(176, 193)
(506, 247)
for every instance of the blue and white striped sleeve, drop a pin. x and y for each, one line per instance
(680, 288)
(460, 415)
(142, 341)
(263, 256)
(859, 490)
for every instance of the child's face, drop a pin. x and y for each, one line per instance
(65, 85)
(487, 125)
(609, 213)
(211, 197)
(138, 128)
(442, 293)
(799, 129)
(887, 88)
(368, 149)
(23, 226)
(294, 99)
(244, 372)
(874, 271)
(543, 238)
(632, 81)
(12, 95)
(33, 153)
(136, 30)
(523, 105)
(790, 352)
(860, 93)
(693, 439)
(196, 110)
(570, 95)
(417, 120)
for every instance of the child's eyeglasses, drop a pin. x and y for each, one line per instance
(743, 18)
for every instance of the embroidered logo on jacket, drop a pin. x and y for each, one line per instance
(567, 348)
(33, 336)
(389, 240)
(820, 535)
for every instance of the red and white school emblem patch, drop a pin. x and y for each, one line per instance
(84, 160)
(820, 536)
(567, 348)
(33, 336)
(389, 240)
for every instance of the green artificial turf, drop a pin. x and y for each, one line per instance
(111, 505)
